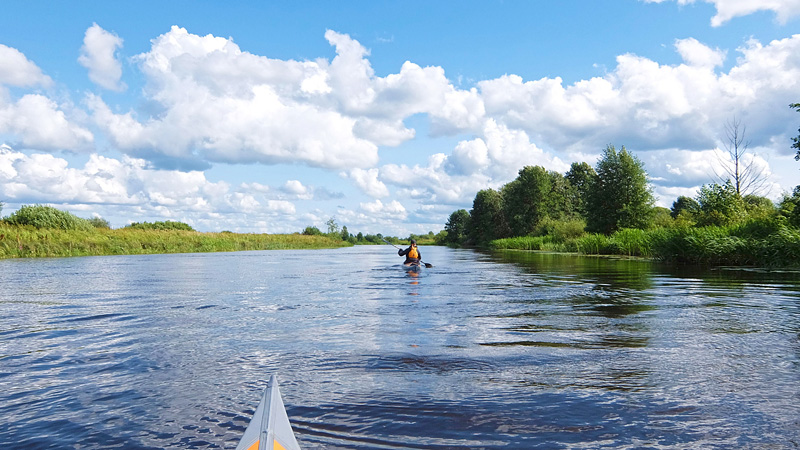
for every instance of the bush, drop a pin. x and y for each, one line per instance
(165, 225)
(560, 230)
(40, 216)
(99, 222)
(312, 231)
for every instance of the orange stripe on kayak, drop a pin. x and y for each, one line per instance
(277, 446)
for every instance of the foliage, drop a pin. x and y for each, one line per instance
(159, 226)
(789, 207)
(24, 241)
(719, 205)
(581, 176)
(312, 231)
(40, 216)
(620, 196)
(333, 227)
(560, 230)
(662, 218)
(487, 219)
(99, 222)
(533, 196)
(685, 205)
(456, 227)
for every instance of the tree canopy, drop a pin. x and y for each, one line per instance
(620, 196)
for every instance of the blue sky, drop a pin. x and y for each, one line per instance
(387, 116)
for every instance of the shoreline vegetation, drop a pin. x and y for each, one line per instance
(43, 231)
(610, 210)
(27, 242)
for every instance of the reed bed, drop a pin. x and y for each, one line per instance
(27, 241)
(767, 243)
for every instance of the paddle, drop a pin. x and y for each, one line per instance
(427, 266)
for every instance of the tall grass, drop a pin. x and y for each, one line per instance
(28, 241)
(763, 242)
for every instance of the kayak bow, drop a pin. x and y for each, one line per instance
(269, 429)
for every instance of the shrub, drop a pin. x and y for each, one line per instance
(40, 216)
(99, 222)
(165, 225)
(560, 230)
(312, 231)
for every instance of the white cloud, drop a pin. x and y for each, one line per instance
(368, 182)
(38, 122)
(393, 210)
(698, 54)
(729, 9)
(17, 70)
(98, 54)
(221, 104)
(297, 190)
(129, 183)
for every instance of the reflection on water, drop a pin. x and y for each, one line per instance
(504, 350)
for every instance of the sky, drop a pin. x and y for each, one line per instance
(387, 116)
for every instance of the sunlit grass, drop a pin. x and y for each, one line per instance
(27, 241)
(758, 243)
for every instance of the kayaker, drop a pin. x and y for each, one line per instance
(412, 253)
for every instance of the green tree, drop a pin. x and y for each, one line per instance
(684, 205)
(345, 233)
(620, 196)
(534, 195)
(333, 227)
(456, 227)
(580, 176)
(758, 207)
(720, 204)
(796, 140)
(487, 220)
(99, 222)
(790, 207)
(312, 231)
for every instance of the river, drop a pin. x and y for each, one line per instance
(511, 350)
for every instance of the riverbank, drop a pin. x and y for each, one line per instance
(762, 243)
(27, 242)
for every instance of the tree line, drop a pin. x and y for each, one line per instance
(614, 195)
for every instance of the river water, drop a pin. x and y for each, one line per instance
(512, 350)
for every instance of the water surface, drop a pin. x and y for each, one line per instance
(511, 350)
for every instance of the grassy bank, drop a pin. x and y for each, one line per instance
(767, 243)
(27, 241)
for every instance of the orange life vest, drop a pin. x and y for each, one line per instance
(413, 253)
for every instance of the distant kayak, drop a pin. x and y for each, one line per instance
(269, 429)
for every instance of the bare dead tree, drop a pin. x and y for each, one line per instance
(747, 176)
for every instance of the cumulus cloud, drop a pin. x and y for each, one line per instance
(130, 182)
(647, 105)
(297, 190)
(698, 54)
(17, 70)
(39, 122)
(368, 182)
(729, 9)
(98, 54)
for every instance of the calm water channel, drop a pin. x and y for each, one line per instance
(517, 350)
